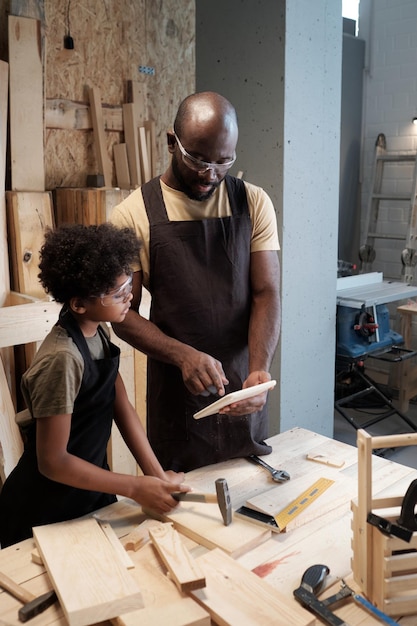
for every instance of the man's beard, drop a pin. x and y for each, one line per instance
(185, 188)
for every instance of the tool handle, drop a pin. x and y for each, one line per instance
(313, 577)
(190, 496)
(16, 590)
(310, 602)
(36, 606)
(407, 517)
(259, 461)
(373, 609)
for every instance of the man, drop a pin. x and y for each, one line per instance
(209, 259)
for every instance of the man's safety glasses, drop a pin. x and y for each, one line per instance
(118, 296)
(202, 166)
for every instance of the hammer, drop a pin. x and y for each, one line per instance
(222, 498)
(33, 605)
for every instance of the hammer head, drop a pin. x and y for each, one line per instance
(224, 501)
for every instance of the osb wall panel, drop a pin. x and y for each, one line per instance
(112, 38)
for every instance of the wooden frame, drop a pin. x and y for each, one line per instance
(385, 567)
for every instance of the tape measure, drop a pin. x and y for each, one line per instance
(298, 505)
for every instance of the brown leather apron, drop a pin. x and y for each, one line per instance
(200, 287)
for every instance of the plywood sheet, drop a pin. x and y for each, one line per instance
(203, 523)
(234, 595)
(29, 214)
(26, 105)
(91, 582)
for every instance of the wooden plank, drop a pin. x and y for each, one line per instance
(11, 445)
(25, 320)
(144, 155)
(103, 160)
(130, 123)
(203, 523)
(91, 582)
(29, 214)
(4, 257)
(121, 165)
(26, 105)
(181, 566)
(71, 115)
(184, 612)
(234, 595)
(151, 129)
(136, 94)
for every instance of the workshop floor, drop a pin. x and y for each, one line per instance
(344, 431)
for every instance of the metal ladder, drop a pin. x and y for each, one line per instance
(371, 233)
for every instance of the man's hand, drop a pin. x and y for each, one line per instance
(202, 372)
(249, 405)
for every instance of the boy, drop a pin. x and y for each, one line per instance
(73, 391)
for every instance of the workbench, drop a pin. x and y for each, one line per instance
(322, 534)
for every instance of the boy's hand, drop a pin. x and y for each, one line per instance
(155, 494)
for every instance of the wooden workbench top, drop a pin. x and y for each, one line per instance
(322, 534)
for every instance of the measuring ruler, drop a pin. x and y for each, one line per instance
(298, 505)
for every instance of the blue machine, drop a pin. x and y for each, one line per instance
(364, 331)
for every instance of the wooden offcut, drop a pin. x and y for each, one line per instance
(181, 566)
(234, 595)
(139, 535)
(122, 165)
(91, 582)
(26, 105)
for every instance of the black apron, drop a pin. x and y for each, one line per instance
(30, 499)
(200, 287)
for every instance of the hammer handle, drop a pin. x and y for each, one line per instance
(190, 496)
(16, 590)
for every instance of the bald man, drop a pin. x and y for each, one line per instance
(209, 260)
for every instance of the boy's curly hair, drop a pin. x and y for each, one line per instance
(85, 261)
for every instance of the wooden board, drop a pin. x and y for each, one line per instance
(234, 595)
(29, 214)
(11, 445)
(26, 105)
(91, 583)
(184, 612)
(79, 205)
(121, 165)
(130, 123)
(4, 257)
(103, 160)
(181, 566)
(24, 319)
(203, 523)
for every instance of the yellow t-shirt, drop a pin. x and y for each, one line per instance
(131, 213)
